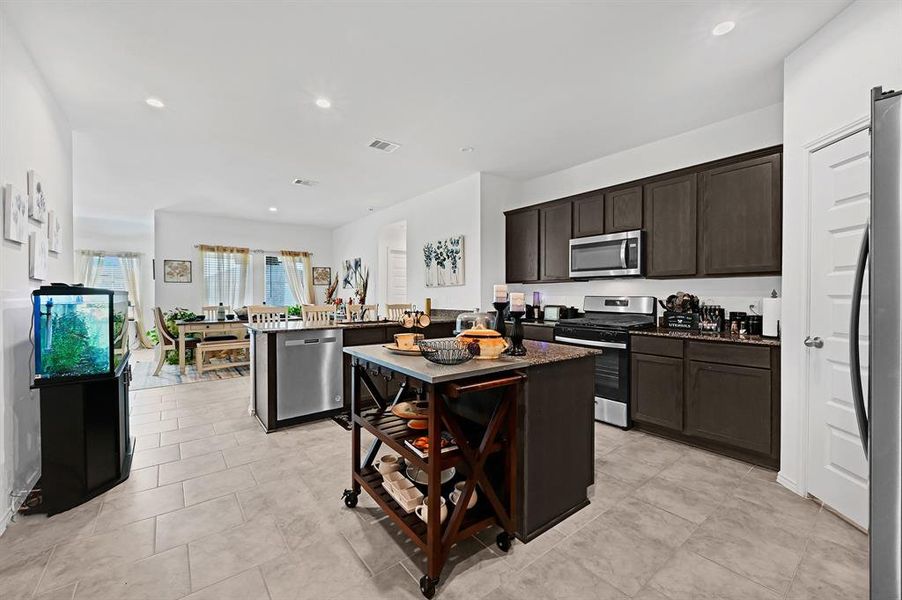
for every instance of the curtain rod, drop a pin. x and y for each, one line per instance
(108, 253)
(259, 251)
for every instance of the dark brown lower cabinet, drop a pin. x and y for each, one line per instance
(730, 405)
(720, 396)
(656, 389)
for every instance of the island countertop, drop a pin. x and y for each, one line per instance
(538, 353)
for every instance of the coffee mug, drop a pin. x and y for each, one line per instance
(458, 492)
(388, 464)
(423, 510)
(407, 341)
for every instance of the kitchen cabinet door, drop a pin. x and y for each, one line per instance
(555, 231)
(731, 405)
(623, 210)
(521, 246)
(589, 215)
(656, 390)
(671, 220)
(740, 216)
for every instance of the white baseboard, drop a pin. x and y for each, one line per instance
(789, 484)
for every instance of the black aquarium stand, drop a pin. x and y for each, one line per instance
(85, 444)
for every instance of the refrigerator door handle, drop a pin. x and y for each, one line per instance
(854, 351)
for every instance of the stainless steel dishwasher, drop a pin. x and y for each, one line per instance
(308, 372)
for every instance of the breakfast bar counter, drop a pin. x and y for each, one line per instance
(519, 430)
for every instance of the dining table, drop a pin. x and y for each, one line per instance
(236, 327)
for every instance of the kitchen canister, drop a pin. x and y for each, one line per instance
(771, 308)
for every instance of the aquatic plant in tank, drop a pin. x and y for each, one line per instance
(78, 333)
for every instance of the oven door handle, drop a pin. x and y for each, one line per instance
(590, 343)
(623, 247)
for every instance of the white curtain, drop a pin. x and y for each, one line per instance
(301, 286)
(131, 264)
(90, 264)
(225, 274)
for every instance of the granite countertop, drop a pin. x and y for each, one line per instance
(538, 353)
(755, 340)
(299, 325)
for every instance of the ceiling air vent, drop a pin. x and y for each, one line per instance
(306, 182)
(384, 145)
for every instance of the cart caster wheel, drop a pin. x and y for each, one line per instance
(350, 498)
(503, 541)
(427, 586)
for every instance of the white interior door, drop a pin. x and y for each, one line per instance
(840, 186)
(397, 276)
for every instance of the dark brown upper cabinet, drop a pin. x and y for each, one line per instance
(555, 231)
(623, 209)
(671, 224)
(740, 215)
(521, 247)
(588, 215)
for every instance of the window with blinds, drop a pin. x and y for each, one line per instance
(111, 274)
(277, 291)
(225, 278)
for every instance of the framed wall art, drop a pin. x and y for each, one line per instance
(15, 214)
(322, 275)
(444, 262)
(37, 255)
(54, 232)
(37, 199)
(176, 271)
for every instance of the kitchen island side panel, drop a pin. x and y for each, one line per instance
(557, 445)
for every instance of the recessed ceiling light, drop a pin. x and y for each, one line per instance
(723, 28)
(324, 103)
(155, 102)
(467, 149)
(273, 209)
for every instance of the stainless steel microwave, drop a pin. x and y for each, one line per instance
(610, 255)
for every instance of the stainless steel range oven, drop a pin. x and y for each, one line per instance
(606, 328)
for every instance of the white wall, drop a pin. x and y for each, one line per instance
(743, 133)
(449, 210)
(827, 83)
(176, 234)
(119, 236)
(34, 134)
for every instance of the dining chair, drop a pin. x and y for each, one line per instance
(210, 311)
(263, 314)
(316, 313)
(396, 311)
(166, 340)
(362, 312)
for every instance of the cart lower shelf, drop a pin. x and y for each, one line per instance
(476, 519)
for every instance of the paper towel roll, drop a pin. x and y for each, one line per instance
(771, 308)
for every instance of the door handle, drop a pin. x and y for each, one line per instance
(623, 247)
(854, 354)
(814, 342)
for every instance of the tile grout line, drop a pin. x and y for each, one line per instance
(37, 586)
(795, 571)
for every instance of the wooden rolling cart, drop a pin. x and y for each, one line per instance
(496, 505)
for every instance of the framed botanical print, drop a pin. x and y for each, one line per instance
(176, 271)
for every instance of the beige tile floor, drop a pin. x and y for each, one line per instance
(216, 509)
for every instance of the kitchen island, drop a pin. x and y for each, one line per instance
(524, 429)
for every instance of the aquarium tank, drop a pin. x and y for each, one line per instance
(78, 332)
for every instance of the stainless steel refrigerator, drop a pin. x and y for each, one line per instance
(879, 414)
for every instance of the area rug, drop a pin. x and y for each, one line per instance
(143, 377)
